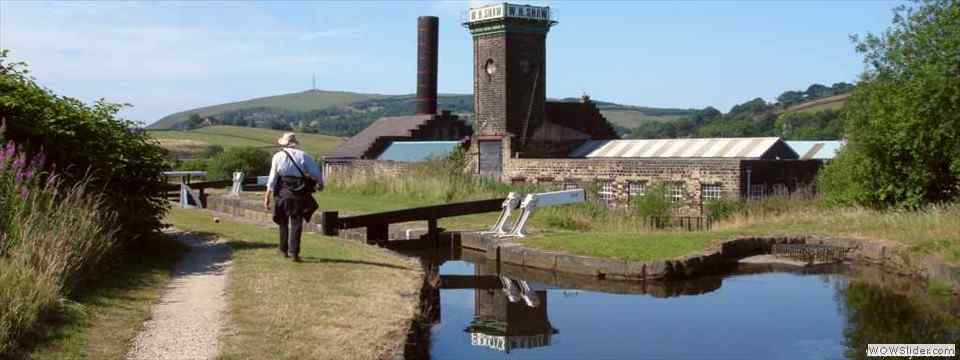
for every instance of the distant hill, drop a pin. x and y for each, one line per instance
(345, 114)
(301, 102)
(188, 143)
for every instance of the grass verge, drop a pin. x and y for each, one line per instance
(344, 301)
(626, 246)
(109, 310)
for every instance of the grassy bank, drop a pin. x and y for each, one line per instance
(345, 301)
(934, 230)
(109, 311)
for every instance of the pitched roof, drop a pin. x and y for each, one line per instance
(395, 126)
(735, 148)
(816, 149)
(414, 151)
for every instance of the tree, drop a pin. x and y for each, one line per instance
(817, 91)
(194, 121)
(790, 97)
(249, 160)
(820, 125)
(903, 118)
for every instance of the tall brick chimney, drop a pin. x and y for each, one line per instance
(427, 44)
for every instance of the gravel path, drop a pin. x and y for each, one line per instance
(187, 321)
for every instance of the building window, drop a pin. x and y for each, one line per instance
(710, 192)
(605, 190)
(636, 189)
(780, 190)
(675, 191)
(757, 191)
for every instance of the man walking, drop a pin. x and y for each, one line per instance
(292, 173)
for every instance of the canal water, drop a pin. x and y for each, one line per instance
(754, 312)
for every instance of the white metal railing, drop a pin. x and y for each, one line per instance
(529, 205)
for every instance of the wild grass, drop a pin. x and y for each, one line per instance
(933, 230)
(344, 301)
(431, 182)
(106, 312)
(50, 247)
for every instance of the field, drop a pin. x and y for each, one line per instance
(835, 102)
(632, 118)
(194, 140)
(302, 101)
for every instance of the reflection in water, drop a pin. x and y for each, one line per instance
(756, 312)
(511, 317)
(878, 315)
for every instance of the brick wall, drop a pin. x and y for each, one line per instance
(490, 89)
(692, 174)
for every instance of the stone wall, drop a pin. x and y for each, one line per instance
(692, 174)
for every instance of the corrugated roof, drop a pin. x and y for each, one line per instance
(750, 148)
(816, 149)
(414, 151)
(398, 126)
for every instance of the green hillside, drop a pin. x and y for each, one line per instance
(345, 114)
(835, 102)
(185, 142)
(301, 102)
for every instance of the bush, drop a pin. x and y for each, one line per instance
(249, 160)
(653, 203)
(723, 208)
(193, 165)
(51, 236)
(903, 119)
(91, 144)
(211, 151)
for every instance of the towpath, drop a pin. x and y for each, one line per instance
(187, 321)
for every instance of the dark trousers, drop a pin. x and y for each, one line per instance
(289, 213)
(291, 228)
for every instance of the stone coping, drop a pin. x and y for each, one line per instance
(712, 261)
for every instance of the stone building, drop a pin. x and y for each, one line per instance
(694, 171)
(520, 137)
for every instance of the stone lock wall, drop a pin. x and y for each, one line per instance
(555, 173)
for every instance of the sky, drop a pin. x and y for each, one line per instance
(165, 57)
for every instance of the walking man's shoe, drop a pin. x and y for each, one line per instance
(284, 253)
(296, 258)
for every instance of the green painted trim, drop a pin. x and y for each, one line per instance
(500, 27)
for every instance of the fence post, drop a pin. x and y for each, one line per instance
(432, 233)
(237, 184)
(330, 221)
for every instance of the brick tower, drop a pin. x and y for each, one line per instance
(509, 73)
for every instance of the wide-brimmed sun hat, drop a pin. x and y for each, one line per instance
(288, 139)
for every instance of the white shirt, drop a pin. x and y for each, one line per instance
(281, 165)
